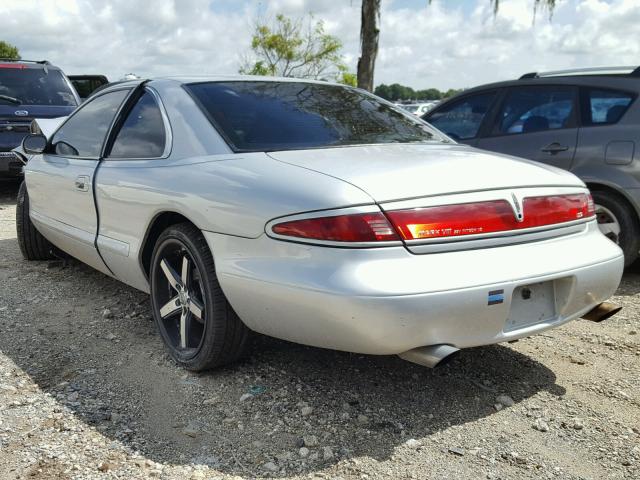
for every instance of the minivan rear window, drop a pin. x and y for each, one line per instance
(606, 106)
(33, 86)
(269, 116)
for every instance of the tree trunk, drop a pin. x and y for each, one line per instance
(369, 33)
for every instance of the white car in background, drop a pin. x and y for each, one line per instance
(418, 109)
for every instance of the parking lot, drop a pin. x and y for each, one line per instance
(87, 391)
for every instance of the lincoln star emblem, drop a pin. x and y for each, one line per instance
(516, 203)
(21, 113)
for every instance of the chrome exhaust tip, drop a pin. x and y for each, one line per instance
(430, 356)
(601, 312)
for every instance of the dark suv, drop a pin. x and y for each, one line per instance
(29, 90)
(585, 121)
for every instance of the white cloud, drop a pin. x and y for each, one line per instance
(439, 45)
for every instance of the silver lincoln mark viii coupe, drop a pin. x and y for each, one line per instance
(311, 212)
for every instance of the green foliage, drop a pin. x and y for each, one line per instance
(295, 48)
(9, 51)
(348, 78)
(395, 92)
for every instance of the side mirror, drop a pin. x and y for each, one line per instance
(34, 144)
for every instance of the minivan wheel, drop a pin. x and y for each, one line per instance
(618, 223)
(195, 320)
(32, 244)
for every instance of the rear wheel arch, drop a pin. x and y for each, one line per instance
(626, 214)
(159, 224)
(611, 190)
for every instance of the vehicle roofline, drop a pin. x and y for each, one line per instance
(189, 79)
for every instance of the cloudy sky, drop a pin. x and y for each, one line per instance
(450, 44)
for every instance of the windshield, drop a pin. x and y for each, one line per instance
(268, 116)
(411, 108)
(32, 86)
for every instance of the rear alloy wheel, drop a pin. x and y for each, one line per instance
(618, 223)
(196, 322)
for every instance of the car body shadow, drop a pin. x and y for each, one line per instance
(110, 369)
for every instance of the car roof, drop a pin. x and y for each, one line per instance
(625, 82)
(35, 64)
(186, 79)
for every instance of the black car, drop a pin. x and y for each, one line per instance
(585, 121)
(85, 85)
(29, 90)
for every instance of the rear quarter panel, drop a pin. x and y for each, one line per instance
(229, 194)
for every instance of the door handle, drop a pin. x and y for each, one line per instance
(554, 148)
(82, 183)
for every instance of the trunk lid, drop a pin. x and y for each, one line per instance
(396, 172)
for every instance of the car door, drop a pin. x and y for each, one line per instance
(462, 119)
(138, 147)
(536, 122)
(60, 181)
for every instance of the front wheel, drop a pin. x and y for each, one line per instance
(195, 320)
(618, 222)
(32, 244)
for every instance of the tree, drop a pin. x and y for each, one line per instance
(9, 51)
(395, 92)
(296, 48)
(370, 32)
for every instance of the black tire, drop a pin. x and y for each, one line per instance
(629, 238)
(215, 340)
(32, 244)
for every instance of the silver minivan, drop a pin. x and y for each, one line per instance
(585, 121)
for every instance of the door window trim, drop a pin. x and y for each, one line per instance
(571, 124)
(121, 118)
(79, 109)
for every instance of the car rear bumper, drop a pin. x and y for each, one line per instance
(388, 301)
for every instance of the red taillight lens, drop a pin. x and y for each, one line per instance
(17, 66)
(361, 227)
(487, 217)
(539, 211)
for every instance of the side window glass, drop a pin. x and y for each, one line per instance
(142, 135)
(84, 133)
(606, 106)
(536, 109)
(462, 119)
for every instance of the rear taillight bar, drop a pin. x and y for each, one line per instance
(442, 221)
(479, 218)
(359, 227)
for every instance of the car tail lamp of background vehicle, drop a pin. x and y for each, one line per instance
(443, 221)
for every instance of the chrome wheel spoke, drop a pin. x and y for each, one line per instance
(171, 307)
(171, 274)
(183, 329)
(185, 272)
(196, 308)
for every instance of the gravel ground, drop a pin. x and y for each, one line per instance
(86, 391)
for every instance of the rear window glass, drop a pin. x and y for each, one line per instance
(32, 86)
(267, 116)
(606, 106)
